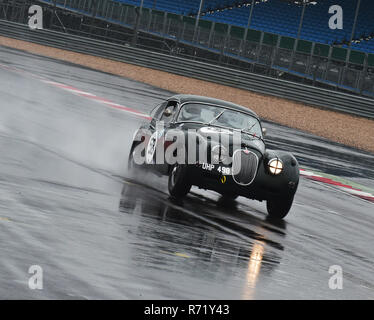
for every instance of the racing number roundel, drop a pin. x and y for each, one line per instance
(151, 148)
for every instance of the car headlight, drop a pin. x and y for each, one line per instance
(275, 166)
(219, 154)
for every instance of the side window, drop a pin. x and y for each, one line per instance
(169, 112)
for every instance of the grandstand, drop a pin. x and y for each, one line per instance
(277, 38)
(282, 17)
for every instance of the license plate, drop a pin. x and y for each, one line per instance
(216, 168)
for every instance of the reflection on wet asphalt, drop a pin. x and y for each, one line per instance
(68, 205)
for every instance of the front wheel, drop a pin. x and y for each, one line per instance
(278, 208)
(179, 183)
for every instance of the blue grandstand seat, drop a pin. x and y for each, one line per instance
(281, 17)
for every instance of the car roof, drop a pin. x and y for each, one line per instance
(183, 98)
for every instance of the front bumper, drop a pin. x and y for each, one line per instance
(264, 186)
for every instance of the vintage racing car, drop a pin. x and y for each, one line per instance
(215, 145)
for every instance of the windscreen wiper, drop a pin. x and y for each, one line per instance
(216, 118)
(251, 134)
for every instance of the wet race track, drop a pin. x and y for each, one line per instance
(68, 205)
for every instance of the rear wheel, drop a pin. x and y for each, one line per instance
(179, 183)
(278, 208)
(131, 161)
(132, 166)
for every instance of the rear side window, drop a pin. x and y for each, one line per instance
(171, 107)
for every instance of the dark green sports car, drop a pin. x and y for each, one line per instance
(215, 145)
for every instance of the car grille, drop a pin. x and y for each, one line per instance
(244, 167)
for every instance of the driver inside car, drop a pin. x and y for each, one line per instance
(191, 112)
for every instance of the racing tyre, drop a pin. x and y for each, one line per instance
(278, 208)
(179, 184)
(131, 164)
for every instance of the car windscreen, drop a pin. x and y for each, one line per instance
(219, 116)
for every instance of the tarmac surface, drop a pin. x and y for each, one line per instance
(68, 205)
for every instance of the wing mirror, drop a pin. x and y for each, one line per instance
(264, 131)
